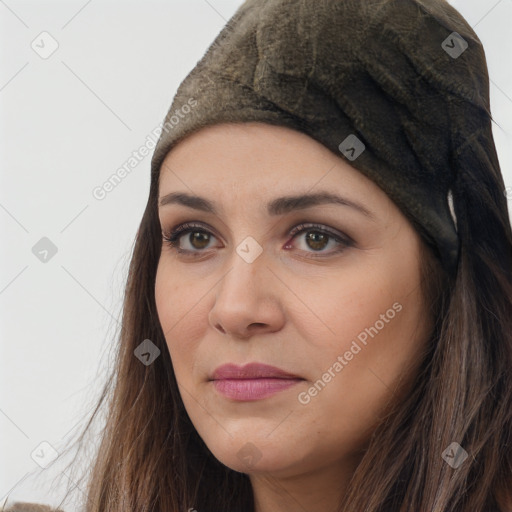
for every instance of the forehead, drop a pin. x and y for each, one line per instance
(258, 158)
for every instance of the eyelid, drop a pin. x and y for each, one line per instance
(183, 227)
(172, 237)
(304, 226)
(300, 224)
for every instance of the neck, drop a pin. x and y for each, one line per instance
(318, 490)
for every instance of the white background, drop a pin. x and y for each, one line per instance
(67, 123)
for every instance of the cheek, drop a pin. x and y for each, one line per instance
(362, 345)
(180, 307)
(366, 304)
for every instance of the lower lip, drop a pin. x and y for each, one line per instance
(252, 389)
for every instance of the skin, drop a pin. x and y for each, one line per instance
(286, 308)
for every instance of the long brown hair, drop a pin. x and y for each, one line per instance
(150, 457)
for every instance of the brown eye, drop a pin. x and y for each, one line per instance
(199, 237)
(316, 240)
(197, 240)
(318, 237)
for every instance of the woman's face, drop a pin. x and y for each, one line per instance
(336, 304)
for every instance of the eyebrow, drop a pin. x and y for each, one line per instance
(278, 206)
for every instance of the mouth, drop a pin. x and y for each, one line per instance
(253, 381)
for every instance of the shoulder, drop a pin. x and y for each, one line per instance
(22, 506)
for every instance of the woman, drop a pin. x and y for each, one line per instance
(318, 314)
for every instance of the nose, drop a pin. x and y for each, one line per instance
(247, 299)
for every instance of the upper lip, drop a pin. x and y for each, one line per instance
(250, 371)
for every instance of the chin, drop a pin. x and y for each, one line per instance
(253, 462)
(252, 453)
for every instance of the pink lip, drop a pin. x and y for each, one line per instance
(253, 381)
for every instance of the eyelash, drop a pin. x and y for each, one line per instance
(172, 238)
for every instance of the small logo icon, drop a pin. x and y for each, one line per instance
(454, 45)
(454, 455)
(352, 147)
(45, 45)
(147, 352)
(44, 454)
(44, 250)
(249, 454)
(249, 249)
